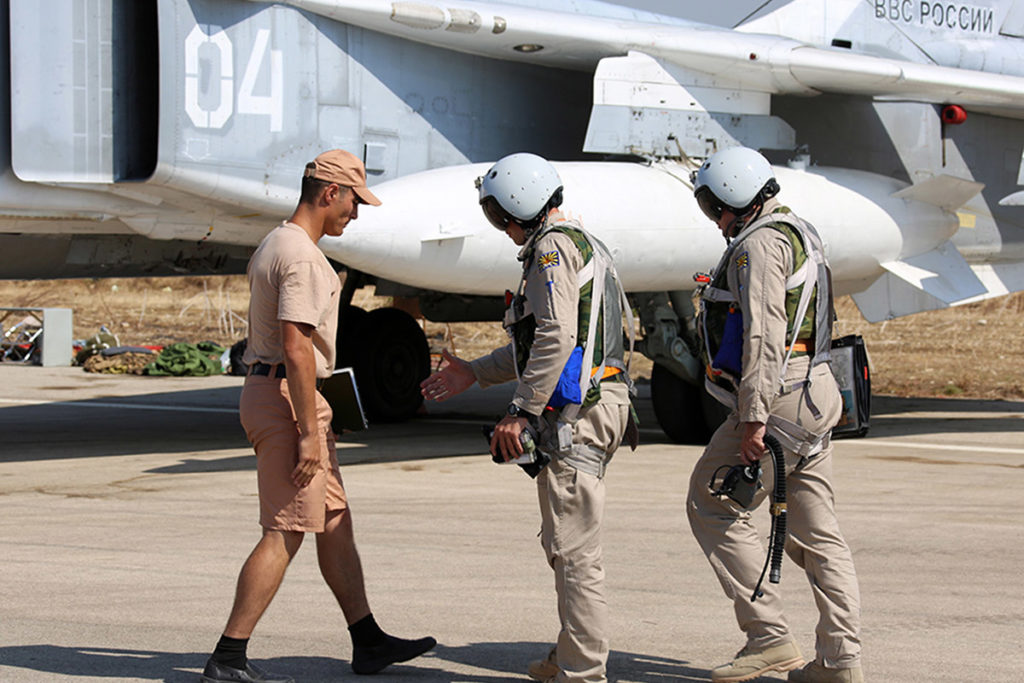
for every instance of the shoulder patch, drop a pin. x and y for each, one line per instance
(742, 261)
(548, 259)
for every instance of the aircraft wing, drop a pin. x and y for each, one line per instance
(717, 57)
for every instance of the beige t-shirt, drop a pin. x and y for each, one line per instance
(291, 279)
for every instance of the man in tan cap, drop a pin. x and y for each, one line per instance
(293, 318)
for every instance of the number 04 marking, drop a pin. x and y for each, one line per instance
(271, 105)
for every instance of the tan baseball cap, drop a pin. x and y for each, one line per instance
(343, 168)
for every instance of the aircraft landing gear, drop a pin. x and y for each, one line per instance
(388, 352)
(685, 412)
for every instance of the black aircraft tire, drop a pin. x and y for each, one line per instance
(390, 360)
(237, 367)
(350, 324)
(714, 412)
(678, 407)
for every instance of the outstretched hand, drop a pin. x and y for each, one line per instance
(454, 376)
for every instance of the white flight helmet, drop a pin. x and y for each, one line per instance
(734, 178)
(519, 186)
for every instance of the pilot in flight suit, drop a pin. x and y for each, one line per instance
(783, 386)
(553, 321)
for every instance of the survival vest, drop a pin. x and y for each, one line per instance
(809, 329)
(600, 351)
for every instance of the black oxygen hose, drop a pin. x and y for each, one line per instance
(777, 538)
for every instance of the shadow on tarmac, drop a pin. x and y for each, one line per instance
(176, 422)
(105, 662)
(894, 405)
(206, 420)
(888, 416)
(510, 660)
(506, 660)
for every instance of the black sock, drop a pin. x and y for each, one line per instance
(231, 652)
(366, 632)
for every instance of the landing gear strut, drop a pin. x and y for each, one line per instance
(684, 410)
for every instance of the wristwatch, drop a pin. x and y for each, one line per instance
(515, 411)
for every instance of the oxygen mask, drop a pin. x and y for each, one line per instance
(740, 483)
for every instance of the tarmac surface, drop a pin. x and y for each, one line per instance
(128, 504)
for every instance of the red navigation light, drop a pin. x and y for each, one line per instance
(953, 114)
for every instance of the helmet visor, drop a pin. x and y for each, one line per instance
(496, 215)
(711, 205)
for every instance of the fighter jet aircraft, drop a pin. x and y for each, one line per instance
(157, 136)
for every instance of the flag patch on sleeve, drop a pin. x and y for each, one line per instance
(742, 261)
(547, 260)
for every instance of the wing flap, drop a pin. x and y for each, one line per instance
(944, 191)
(932, 280)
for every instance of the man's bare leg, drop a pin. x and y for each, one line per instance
(258, 582)
(372, 648)
(340, 565)
(260, 578)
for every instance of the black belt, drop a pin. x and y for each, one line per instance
(264, 370)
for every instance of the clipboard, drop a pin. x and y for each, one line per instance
(342, 394)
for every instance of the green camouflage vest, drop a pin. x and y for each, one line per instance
(524, 330)
(715, 312)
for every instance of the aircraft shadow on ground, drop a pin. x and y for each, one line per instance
(894, 405)
(503, 662)
(103, 427)
(887, 416)
(117, 425)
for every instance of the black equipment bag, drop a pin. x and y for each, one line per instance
(850, 367)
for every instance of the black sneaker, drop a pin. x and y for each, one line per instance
(219, 673)
(369, 659)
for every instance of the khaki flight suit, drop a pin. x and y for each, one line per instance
(756, 275)
(571, 499)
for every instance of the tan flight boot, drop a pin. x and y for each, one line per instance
(816, 673)
(544, 669)
(750, 663)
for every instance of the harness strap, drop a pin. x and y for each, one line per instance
(586, 274)
(596, 277)
(716, 295)
(798, 277)
(609, 371)
(587, 459)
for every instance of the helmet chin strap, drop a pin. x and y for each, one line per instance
(740, 222)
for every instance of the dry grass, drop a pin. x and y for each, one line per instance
(154, 311)
(974, 351)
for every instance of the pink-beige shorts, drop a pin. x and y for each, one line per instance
(269, 422)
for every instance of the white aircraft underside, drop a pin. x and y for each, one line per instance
(645, 215)
(159, 136)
